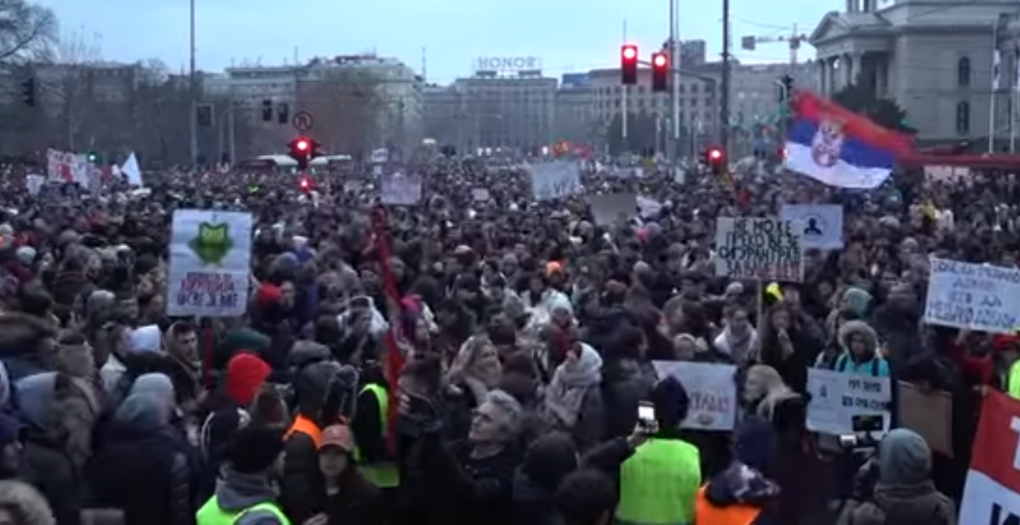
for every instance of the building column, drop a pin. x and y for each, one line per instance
(833, 75)
(823, 84)
(881, 65)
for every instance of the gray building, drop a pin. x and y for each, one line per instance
(500, 111)
(442, 110)
(933, 57)
(574, 122)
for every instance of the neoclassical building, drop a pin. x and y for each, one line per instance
(934, 57)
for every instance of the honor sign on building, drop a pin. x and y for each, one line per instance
(499, 64)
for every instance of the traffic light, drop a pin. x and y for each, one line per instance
(28, 92)
(92, 156)
(786, 89)
(660, 72)
(303, 150)
(306, 185)
(267, 110)
(715, 159)
(628, 64)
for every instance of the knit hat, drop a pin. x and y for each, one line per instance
(268, 294)
(26, 255)
(904, 458)
(255, 449)
(245, 374)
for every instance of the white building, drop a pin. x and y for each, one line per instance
(933, 57)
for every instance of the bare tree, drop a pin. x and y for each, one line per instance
(67, 80)
(347, 104)
(25, 30)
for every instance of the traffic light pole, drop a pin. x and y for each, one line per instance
(674, 86)
(724, 97)
(193, 81)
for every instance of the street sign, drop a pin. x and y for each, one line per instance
(302, 121)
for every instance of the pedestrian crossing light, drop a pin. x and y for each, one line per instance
(93, 157)
(660, 72)
(28, 92)
(628, 64)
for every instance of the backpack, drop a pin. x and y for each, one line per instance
(843, 362)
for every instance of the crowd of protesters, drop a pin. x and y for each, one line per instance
(526, 332)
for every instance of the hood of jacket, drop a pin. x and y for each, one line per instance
(862, 330)
(144, 412)
(236, 491)
(312, 386)
(35, 397)
(19, 334)
(903, 458)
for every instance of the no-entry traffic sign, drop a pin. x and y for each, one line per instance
(302, 121)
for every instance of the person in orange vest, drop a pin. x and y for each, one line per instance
(743, 494)
(320, 396)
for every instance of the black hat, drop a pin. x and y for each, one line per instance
(255, 448)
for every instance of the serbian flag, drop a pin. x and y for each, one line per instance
(992, 492)
(838, 147)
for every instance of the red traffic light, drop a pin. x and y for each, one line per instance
(305, 184)
(629, 53)
(301, 145)
(659, 60)
(714, 154)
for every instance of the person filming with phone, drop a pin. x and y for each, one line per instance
(658, 483)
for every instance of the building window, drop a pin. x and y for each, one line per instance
(963, 72)
(963, 118)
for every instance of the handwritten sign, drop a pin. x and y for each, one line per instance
(210, 261)
(400, 190)
(555, 180)
(62, 166)
(766, 249)
(977, 297)
(837, 397)
(711, 390)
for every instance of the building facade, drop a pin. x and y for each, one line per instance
(511, 110)
(933, 57)
(574, 110)
(442, 111)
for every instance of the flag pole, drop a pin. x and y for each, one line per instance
(1015, 94)
(996, 75)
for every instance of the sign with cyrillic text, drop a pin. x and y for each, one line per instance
(992, 493)
(210, 263)
(837, 397)
(977, 297)
(766, 249)
(555, 180)
(710, 389)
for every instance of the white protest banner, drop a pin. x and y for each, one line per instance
(400, 190)
(210, 263)
(711, 389)
(992, 490)
(821, 224)
(977, 297)
(945, 174)
(480, 194)
(836, 397)
(66, 167)
(648, 208)
(555, 180)
(613, 208)
(760, 248)
(33, 183)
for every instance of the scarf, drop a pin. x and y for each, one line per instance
(570, 383)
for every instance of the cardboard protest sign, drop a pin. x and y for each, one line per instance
(762, 248)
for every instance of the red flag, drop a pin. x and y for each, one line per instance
(395, 359)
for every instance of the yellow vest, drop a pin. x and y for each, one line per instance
(659, 483)
(705, 512)
(1013, 381)
(212, 514)
(383, 474)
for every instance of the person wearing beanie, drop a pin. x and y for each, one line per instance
(744, 493)
(547, 461)
(245, 494)
(659, 481)
(245, 374)
(904, 492)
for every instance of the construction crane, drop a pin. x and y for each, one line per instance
(750, 43)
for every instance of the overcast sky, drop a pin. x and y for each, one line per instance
(567, 35)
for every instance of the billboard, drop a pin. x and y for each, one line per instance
(575, 80)
(507, 64)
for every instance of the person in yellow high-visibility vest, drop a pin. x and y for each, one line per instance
(743, 494)
(245, 494)
(370, 426)
(659, 482)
